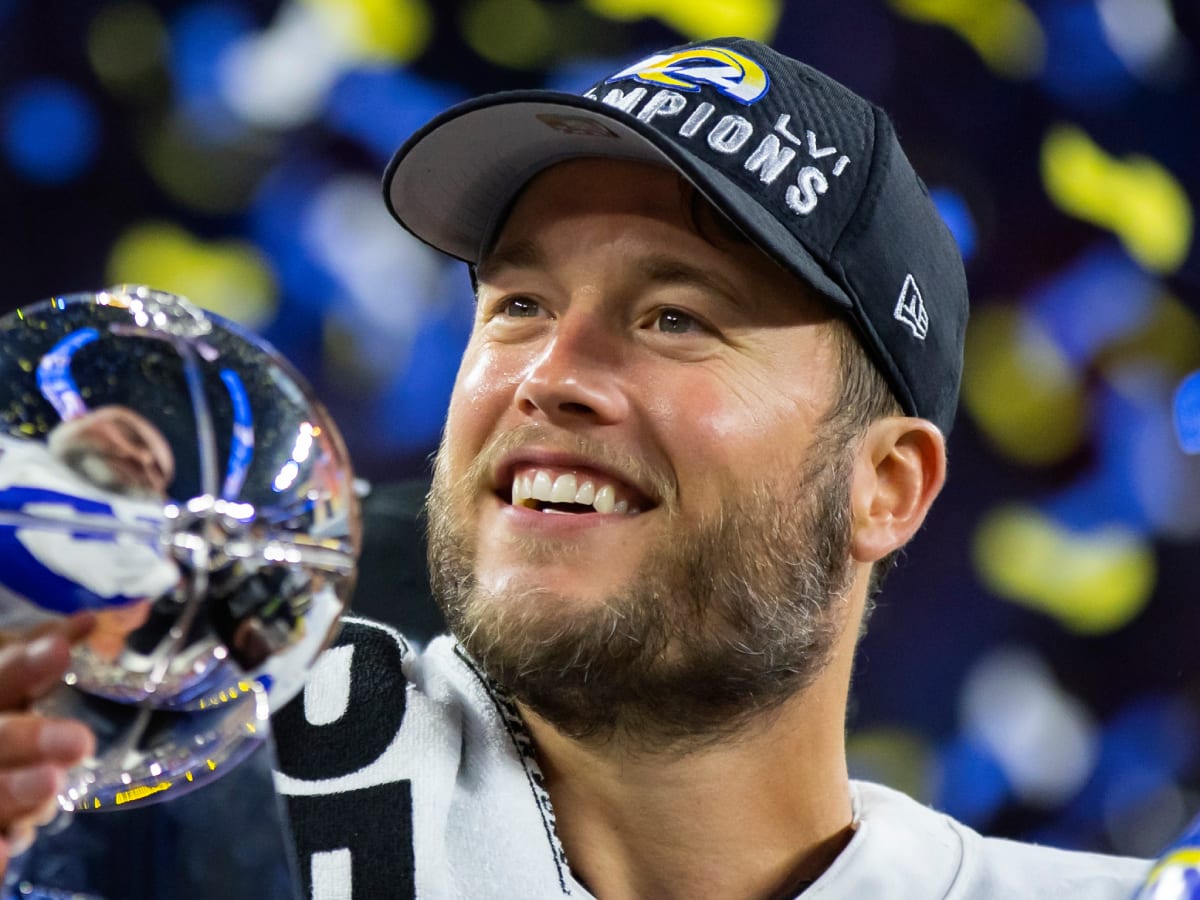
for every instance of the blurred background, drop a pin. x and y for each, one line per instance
(1032, 667)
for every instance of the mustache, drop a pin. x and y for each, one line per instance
(659, 485)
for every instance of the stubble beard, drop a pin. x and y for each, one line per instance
(723, 621)
(94, 466)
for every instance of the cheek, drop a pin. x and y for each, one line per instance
(719, 422)
(475, 375)
(482, 391)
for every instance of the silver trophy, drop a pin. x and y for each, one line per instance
(170, 472)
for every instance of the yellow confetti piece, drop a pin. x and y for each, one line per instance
(893, 756)
(127, 47)
(1005, 33)
(699, 19)
(517, 34)
(1169, 339)
(379, 30)
(231, 278)
(1022, 393)
(1136, 197)
(1092, 583)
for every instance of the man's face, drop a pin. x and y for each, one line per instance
(637, 522)
(117, 449)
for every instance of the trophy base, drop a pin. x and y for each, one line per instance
(146, 756)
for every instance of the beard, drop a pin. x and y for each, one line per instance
(723, 621)
(96, 467)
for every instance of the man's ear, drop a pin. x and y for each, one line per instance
(898, 471)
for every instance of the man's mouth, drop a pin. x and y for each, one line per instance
(551, 491)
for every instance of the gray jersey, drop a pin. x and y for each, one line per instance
(409, 775)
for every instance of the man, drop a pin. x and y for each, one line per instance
(117, 449)
(109, 467)
(716, 350)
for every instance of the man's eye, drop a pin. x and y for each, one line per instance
(521, 308)
(674, 321)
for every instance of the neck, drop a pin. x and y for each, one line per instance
(756, 815)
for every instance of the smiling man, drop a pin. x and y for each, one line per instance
(716, 351)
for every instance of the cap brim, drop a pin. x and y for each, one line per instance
(453, 181)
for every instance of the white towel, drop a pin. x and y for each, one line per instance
(407, 775)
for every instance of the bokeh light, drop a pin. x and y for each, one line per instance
(697, 19)
(50, 130)
(1187, 413)
(1041, 737)
(127, 47)
(1136, 197)
(957, 216)
(378, 31)
(527, 45)
(1091, 582)
(1005, 33)
(1021, 389)
(230, 277)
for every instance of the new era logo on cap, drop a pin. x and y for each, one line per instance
(910, 309)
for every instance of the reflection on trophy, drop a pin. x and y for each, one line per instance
(172, 474)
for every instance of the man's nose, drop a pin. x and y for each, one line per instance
(577, 375)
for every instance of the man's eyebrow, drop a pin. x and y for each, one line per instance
(659, 268)
(665, 269)
(523, 254)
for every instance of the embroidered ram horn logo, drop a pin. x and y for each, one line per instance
(732, 74)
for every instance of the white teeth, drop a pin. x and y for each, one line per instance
(605, 499)
(522, 491)
(537, 486)
(586, 493)
(564, 489)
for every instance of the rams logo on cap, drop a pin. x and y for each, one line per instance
(733, 74)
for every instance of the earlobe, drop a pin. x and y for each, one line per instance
(899, 470)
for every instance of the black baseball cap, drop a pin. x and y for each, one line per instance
(808, 170)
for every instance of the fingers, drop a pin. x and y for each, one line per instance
(21, 836)
(73, 627)
(29, 739)
(27, 796)
(32, 664)
(35, 751)
(77, 626)
(29, 670)
(18, 790)
(18, 836)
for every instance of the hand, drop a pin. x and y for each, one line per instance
(35, 751)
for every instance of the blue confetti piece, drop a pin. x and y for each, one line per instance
(1187, 413)
(974, 785)
(50, 131)
(381, 108)
(201, 33)
(957, 215)
(1081, 70)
